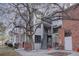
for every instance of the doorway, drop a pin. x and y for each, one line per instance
(37, 42)
(49, 41)
(68, 40)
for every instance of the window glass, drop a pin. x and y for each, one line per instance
(55, 30)
(67, 33)
(37, 39)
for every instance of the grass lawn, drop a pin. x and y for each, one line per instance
(7, 51)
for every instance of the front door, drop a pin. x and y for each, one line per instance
(49, 41)
(68, 43)
(37, 42)
(68, 40)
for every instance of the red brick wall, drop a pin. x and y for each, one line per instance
(73, 26)
(61, 36)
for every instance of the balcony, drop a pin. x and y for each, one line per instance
(57, 23)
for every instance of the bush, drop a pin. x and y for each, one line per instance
(28, 46)
(5, 43)
(16, 45)
(77, 49)
(10, 45)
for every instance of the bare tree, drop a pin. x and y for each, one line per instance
(26, 11)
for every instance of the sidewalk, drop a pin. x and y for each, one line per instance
(74, 54)
(43, 52)
(32, 53)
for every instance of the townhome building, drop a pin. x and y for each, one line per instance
(49, 34)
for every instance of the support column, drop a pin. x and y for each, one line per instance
(52, 35)
(44, 39)
(53, 40)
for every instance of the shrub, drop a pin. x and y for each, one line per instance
(28, 46)
(10, 45)
(16, 45)
(77, 49)
(5, 43)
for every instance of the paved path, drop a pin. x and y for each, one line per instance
(74, 54)
(43, 52)
(32, 53)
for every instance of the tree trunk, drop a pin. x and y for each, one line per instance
(31, 41)
(44, 40)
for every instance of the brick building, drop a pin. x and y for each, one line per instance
(47, 34)
(69, 31)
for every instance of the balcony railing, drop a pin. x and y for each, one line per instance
(57, 23)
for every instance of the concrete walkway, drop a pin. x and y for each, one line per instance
(43, 52)
(32, 53)
(74, 54)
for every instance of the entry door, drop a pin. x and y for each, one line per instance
(37, 42)
(49, 41)
(68, 43)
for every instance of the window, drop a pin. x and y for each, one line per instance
(37, 39)
(55, 30)
(67, 33)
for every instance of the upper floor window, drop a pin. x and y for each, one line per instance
(55, 30)
(67, 33)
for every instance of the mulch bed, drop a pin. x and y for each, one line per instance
(59, 53)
